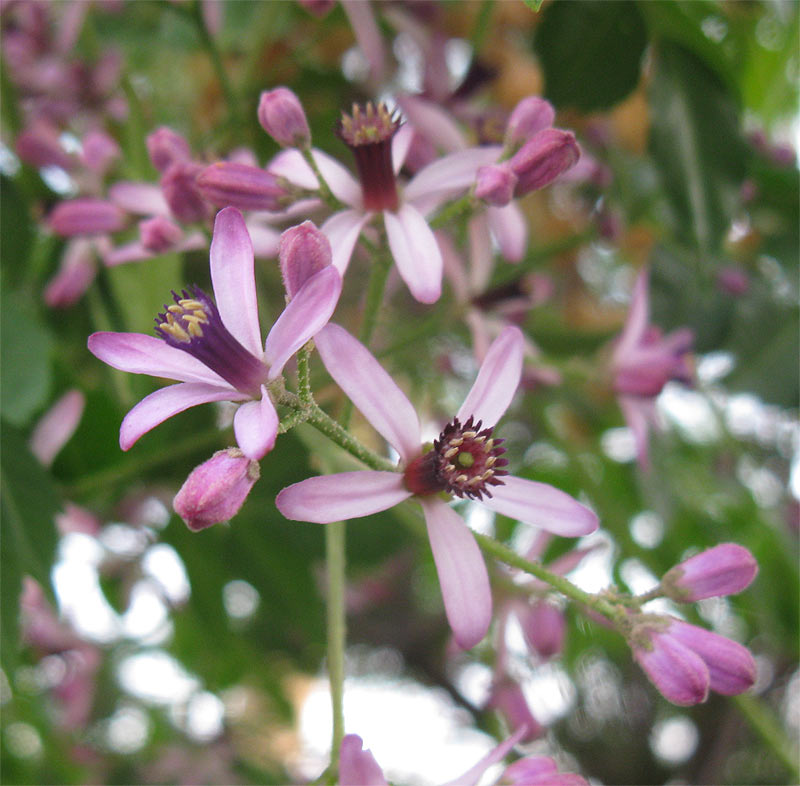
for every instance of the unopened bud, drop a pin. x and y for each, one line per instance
(495, 184)
(216, 490)
(529, 116)
(86, 216)
(723, 570)
(181, 190)
(40, 145)
(544, 627)
(159, 234)
(282, 116)
(303, 251)
(544, 157)
(227, 184)
(167, 147)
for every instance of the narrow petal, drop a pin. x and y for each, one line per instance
(371, 389)
(416, 252)
(368, 36)
(304, 316)
(474, 773)
(138, 353)
(343, 229)
(638, 315)
(165, 403)
(463, 578)
(497, 379)
(256, 426)
(452, 173)
(233, 279)
(347, 495)
(639, 413)
(265, 239)
(357, 767)
(510, 230)
(291, 165)
(143, 199)
(542, 506)
(56, 426)
(401, 143)
(433, 122)
(481, 257)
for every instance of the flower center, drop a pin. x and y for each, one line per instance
(368, 132)
(464, 461)
(194, 325)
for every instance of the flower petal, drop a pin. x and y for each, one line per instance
(473, 774)
(358, 767)
(165, 403)
(304, 316)
(343, 229)
(144, 199)
(233, 279)
(639, 413)
(371, 389)
(401, 143)
(256, 426)
(346, 495)
(433, 122)
(452, 173)
(543, 506)
(416, 252)
(463, 578)
(368, 36)
(291, 165)
(265, 239)
(510, 230)
(497, 379)
(638, 315)
(138, 353)
(56, 426)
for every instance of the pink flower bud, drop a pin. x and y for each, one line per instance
(508, 699)
(495, 184)
(166, 148)
(159, 234)
(281, 115)
(544, 628)
(544, 157)
(181, 190)
(304, 251)
(529, 116)
(245, 187)
(40, 145)
(723, 570)
(99, 151)
(85, 216)
(216, 490)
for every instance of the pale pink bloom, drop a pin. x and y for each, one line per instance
(215, 351)
(722, 570)
(466, 461)
(56, 426)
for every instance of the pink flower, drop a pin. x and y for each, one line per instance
(643, 361)
(466, 461)
(723, 570)
(215, 351)
(380, 146)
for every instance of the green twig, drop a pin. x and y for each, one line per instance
(453, 210)
(765, 724)
(335, 534)
(324, 189)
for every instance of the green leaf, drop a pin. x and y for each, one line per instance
(696, 144)
(16, 229)
(28, 505)
(590, 52)
(25, 360)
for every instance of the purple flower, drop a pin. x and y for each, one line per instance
(466, 461)
(643, 361)
(215, 351)
(723, 570)
(684, 661)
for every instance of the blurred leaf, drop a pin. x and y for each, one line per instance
(28, 505)
(16, 229)
(25, 360)
(696, 144)
(534, 5)
(591, 52)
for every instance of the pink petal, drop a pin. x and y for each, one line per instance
(638, 315)
(416, 252)
(510, 230)
(256, 426)
(497, 379)
(480, 253)
(291, 165)
(463, 578)
(56, 426)
(141, 199)
(433, 122)
(358, 767)
(639, 413)
(304, 316)
(347, 495)
(371, 389)
(543, 506)
(265, 240)
(233, 279)
(401, 144)
(451, 173)
(165, 403)
(368, 36)
(138, 353)
(343, 229)
(474, 773)
(130, 252)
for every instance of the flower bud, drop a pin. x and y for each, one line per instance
(723, 570)
(544, 157)
(86, 216)
(159, 234)
(216, 490)
(166, 148)
(529, 116)
(245, 187)
(281, 115)
(543, 626)
(495, 184)
(99, 151)
(357, 765)
(180, 187)
(304, 251)
(40, 145)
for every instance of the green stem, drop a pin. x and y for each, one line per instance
(481, 27)
(304, 374)
(765, 724)
(453, 210)
(337, 629)
(377, 284)
(324, 189)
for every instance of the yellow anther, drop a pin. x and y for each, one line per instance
(191, 305)
(195, 329)
(177, 332)
(461, 478)
(469, 434)
(193, 319)
(481, 438)
(450, 453)
(475, 481)
(489, 445)
(486, 475)
(450, 468)
(490, 461)
(175, 309)
(200, 314)
(456, 441)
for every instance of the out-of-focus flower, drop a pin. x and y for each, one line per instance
(684, 661)
(733, 280)
(282, 116)
(216, 490)
(508, 699)
(722, 570)
(56, 426)
(215, 350)
(643, 361)
(86, 216)
(39, 144)
(465, 461)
